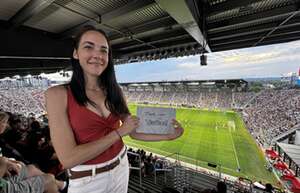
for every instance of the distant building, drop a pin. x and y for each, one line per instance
(292, 78)
(298, 81)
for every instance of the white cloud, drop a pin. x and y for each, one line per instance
(263, 61)
(188, 65)
(251, 58)
(247, 58)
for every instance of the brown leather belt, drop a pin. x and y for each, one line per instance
(81, 174)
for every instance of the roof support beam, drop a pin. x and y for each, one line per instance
(254, 30)
(172, 38)
(106, 18)
(277, 27)
(233, 4)
(245, 21)
(283, 39)
(145, 26)
(193, 44)
(30, 68)
(30, 9)
(181, 12)
(253, 38)
(146, 33)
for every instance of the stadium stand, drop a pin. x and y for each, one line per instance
(255, 108)
(23, 101)
(263, 119)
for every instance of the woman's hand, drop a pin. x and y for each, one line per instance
(130, 123)
(13, 167)
(178, 130)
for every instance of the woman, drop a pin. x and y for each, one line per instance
(88, 118)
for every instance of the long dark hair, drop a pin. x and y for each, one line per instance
(114, 100)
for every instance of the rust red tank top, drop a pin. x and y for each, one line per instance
(88, 126)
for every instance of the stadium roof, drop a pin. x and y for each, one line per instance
(286, 134)
(292, 151)
(184, 85)
(37, 33)
(187, 82)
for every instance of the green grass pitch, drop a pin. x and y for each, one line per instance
(213, 137)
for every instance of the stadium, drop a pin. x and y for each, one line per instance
(217, 140)
(248, 140)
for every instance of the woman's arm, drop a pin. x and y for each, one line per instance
(155, 137)
(68, 152)
(3, 166)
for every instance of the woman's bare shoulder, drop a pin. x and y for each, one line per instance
(56, 91)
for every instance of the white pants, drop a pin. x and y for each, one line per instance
(115, 180)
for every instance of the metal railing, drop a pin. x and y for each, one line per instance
(137, 168)
(184, 177)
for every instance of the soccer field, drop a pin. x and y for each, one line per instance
(213, 137)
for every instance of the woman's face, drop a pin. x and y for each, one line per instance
(92, 53)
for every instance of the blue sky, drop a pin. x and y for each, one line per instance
(263, 61)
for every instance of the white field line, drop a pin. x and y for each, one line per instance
(236, 157)
(168, 153)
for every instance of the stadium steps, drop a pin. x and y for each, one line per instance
(202, 181)
(193, 181)
(148, 184)
(252, 99)
(134, 184)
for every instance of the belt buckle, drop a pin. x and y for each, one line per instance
(107, 167)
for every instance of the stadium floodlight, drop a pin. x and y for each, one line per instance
(203, 60)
